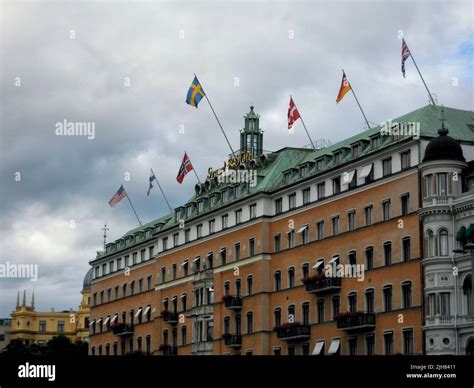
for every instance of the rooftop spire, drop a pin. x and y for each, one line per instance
(18, 299)
(33, 300)
(23, 303)
(442, 131)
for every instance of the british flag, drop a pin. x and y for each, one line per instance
(186, 166)
(405, 55)
(118, 196)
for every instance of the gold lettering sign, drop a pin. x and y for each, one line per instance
(241, 158)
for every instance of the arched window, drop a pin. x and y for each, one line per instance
(443, 243)
(249, 323)
(431, 243)
(467, 291)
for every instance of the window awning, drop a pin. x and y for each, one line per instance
(139, 311)
(318, 264)
(222, 249)
(106, 321)
(146, 310)
(334, 348)
(196, 259)
(470, 233)
(335, 258)
(210, 254)
(365, 171)
(461, 234)
(290, 230)
(346, 179)
(174, 297)
(303, 228)
(318, 347)
(92, 322)
(114, 318)
(184, 263)
(99, 320)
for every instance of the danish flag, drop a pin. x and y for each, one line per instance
(293, 113)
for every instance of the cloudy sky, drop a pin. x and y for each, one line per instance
(71, 61)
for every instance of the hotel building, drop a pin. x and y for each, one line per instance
(242, 267)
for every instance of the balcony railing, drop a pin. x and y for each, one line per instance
(438, 200)
(168, 350)
(232, 340)
(355, 321)
(123, 329)
(293, 332)
(321, 286)
(170, 317)
(232, 302)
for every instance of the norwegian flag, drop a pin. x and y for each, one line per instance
(293, 113)
(186, 166)
(405, 55)
(118, 196)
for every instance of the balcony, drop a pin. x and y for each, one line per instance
(439, 320)
(320, 284)
(122, 329)
(232, 302)
(355, 321)
(293, 331)
(232, 340)
(438, 200)
(168, 350)
(169, 317)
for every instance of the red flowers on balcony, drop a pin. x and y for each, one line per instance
(287, 325)
(117, 326)
(314, 278)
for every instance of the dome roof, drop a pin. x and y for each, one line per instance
(443, 147)
(86, 285)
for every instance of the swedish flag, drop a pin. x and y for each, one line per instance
(195, 93)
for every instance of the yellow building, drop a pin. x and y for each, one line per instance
(37, 327)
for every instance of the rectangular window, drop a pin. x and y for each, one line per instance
(151, 251)
(388, 343)
(277, 281)
(369, 258)
(175, 271)
(225, 221)
(165, 243)
(305, 235)
(404, 204)
(278, 206)
(249, 285)
(321, 188)
(319, 164)
(442, 183)
(431, 305)
(405, 159)
(445, 305)
(306, 196)
(386, 205)
(42, 326)
(369, 301)
(142, 255)
(119, 263)
(387, 166)
(253, 211)
(252, 247)
(352, 342)
(223, 256)
(292, 201)
(387, 252)
(406, 290)
(175, 239)
(370, 344)
(351, 220)
(237, 251)
(187, 235)
(60, 326)
(336, 185)
(336, 306)
(335, 225)
(111, 266)
(408, 341)
(320, 306)
(277, 240)
(212, 225)
(368, 212)
(163, 274)
(238, 216)
(199, 231)
(291, 239)
(406, 242)
(387, 297)
(320, 229)
(200, 206)
(148, 282)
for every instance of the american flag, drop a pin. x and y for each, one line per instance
(186, 166)
(121, 193)
(405, 55)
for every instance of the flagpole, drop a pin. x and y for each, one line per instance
(162, 192)
(304, 126)
(194, 170)
(136, 215)
(352, 90)
(218, 122)
(424, 83)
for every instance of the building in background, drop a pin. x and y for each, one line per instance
(35, 327)
(5, 326)
(447, 215)
(242, 267)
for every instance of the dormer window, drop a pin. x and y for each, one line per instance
(356, 150)
(319, 164)
(200, 206)
(238, 191)
(212, 201)
(225, 194)
(337, 157)
(303, 171)
(177, 214)
(188, 211)
(375, 142)
(287, 177)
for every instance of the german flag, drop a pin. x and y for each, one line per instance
(345, 87)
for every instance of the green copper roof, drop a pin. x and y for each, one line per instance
(272, 168)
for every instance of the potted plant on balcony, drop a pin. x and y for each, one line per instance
(348, 314)
(286, 325)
